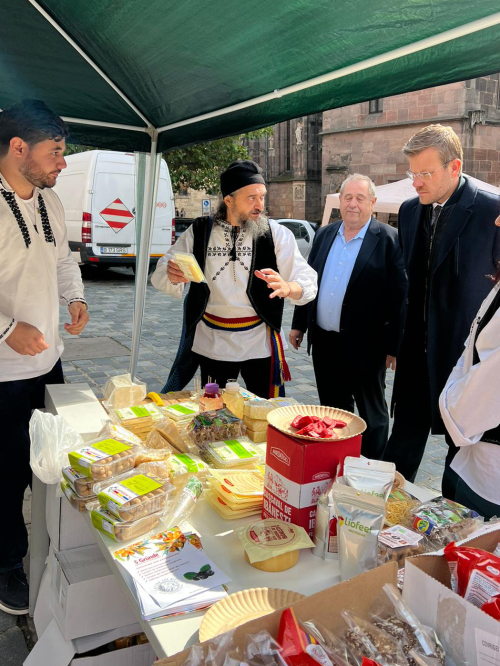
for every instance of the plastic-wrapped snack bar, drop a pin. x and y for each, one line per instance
(132, 496)
(231, 453)
(103, 459)
(181, 410)
(444, 521)
(123, 531)
(215, 426)
(189, 266)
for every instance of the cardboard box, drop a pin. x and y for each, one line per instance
(66, 526)
(357, 594)
(78, 405)
(298, 472)
(468, 635)
(52, 649)
(86, 597)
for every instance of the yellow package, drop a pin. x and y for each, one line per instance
(236, 502)
(258, 408)
(257, 437)
(243, 483)
(226, 511)
(271, 538)
(189, 266)
(257, 425)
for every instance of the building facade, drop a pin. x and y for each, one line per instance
(367, 138)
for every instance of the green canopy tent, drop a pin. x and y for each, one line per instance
(148, 77)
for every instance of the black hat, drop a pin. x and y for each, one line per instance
(239, 174)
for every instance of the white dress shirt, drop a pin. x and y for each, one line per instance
(228, 283)
(34, 280)
(470, 405)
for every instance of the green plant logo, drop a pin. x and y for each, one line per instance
(204, 573)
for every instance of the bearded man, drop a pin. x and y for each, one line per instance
(37, 273)
(232, 322)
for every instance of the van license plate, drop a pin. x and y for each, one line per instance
(113, 250)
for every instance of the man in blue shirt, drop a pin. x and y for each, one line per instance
(354, 323)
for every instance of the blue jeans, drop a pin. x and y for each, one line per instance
(466, 496)
(17, 400)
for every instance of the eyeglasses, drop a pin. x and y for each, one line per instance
(425, 175)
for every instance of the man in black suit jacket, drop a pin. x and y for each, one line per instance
(450, 246)
(353, 324)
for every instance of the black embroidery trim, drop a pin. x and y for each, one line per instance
(12, 203)
(47, 229)
(7, 329)
(241, 251)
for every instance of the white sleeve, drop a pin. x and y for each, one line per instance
(7, 325)
(470, 401)
(159, 279)
(69, 277)
(291, 264)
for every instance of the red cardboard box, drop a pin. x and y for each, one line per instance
(298, 472)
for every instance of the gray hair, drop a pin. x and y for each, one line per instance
(441, 137)
(354, 177)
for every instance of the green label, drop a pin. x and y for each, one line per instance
(111, 446)
(140, 411)
(181, 409)
(194, 487)
(141, 484)
(190, 464)
(238, 449)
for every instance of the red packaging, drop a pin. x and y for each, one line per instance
(369, 662)
(492, 608)
(298, 472)
(475, 573)
(298, 647)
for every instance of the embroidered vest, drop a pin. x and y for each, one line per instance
(493, 435)
(270, 310)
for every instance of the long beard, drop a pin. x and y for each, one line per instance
(255, 228)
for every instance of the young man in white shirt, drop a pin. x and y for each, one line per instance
(232, 322)
(37, 273)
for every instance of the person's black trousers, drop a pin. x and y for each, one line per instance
(17, 400)
(412, 426)
(340, 384)
(256, 373)
(466, 496)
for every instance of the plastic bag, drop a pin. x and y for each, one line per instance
(445, 521)
(260, 650)
(475, 573)
(175, 433)
(120, 391)
(334, 646)
(113, 431)
(51, 439)
(155, 440)
(372, 642)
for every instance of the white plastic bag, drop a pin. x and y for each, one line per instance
(51, 439)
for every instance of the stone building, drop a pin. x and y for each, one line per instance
(367, 138)
(291, 159)
(191, 201)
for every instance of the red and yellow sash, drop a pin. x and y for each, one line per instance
(280, 373)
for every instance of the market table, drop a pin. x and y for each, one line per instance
(171, 635)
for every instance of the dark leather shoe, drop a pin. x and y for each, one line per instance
(14, 592)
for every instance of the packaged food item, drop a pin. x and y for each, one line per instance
(159, 468)
(257, 437)
(492, 607)
(153, 455)
(445, 521)
(257, 425)
(397, 543)
(215, 426)
(231, 452)
(185, 503)
(239, 483)
(123, 531)
(325, 528)
(298, 646)
(186, 463)
(82, 485)
(81, 504)
(120, 391)
(283, 402)
(374, 477)
(104, 458)
(113, 431)
(139, 419)
(231, 512)
(333, 644)
(181, 410)
(372, 642)
(175, 434)
(399, 506)
(189, 266)
(475, 573)
(133, 495)
(155, 440)
(273, 545)
(233, 399)
(257, 408)
(211, 398)
(360, 518)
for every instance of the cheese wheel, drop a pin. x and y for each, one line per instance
(278, 563)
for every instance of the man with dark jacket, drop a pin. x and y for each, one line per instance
(353, 324)
(450, 246)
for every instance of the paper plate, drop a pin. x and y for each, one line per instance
(399, 481)
(241, 607)
(282, 417)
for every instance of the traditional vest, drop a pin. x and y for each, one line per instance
(491, 436)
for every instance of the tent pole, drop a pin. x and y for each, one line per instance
(144, 250)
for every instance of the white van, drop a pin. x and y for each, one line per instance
(97, 190)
